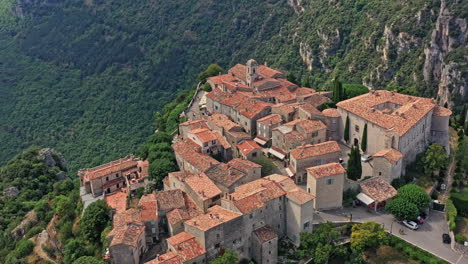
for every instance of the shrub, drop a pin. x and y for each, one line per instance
(451, 214)
(24, 248)
(460, 238)
(34, 231)
(414, 252)
(460, 200)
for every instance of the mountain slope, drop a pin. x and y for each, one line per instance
(86, 77)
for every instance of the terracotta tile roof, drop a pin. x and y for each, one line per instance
(269, 120)
(222, 140)
(285, 182)
(391, 155)
(216, 216)
(194, 124)
(117, 201)
(293, 192)
(266, 83)
(218, 80)
(168, 258)
(409, 109)
(310, 126)
(304, 91)
(149, 207)
(239, 71)
(182, 214)
(265, 234)
(441, 111)
(217, 94)
(168, 200)
(317, 99)
(299, 196)
(331, 112)
(269, 72)
(307, 151)
(233, 100)
(243, 165)
(310, 109)
(248, 146)
(252, 196)
(186, 245)
(237, 86)
(144, 164)
(223, 121)
(189, 152)
(204, 134)
(251, 108)
(225, 174)
(127, 228)
(285, 108)
(108, 168)
(378, 189)
(203, 186)
(326, 170)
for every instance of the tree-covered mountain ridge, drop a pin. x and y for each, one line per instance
(87, 76)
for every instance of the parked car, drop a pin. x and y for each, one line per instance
(410, 224)
(446, 238)
(366, 158)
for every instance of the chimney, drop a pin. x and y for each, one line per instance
(266, 63)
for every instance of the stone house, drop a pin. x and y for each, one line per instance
(405, 123)
(127, 172)
(198, 187)
(306, 156)
(265, 245)
(189, 157)
(298, 132)
(228, 176)
(183, 248)
(190, 125)
(266, 124)
(333, 122)
(211, 142)
(326, 183)
(249, 150)
(127, 239)
(387, 164)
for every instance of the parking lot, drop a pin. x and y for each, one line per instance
(427, 237)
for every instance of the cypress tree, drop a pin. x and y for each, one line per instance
(354, 164)
(364, 139)
(337, 89)
(346, 130)
(342, 92)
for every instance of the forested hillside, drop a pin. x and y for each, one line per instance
(86, 77)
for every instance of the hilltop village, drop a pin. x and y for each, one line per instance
(221, 198)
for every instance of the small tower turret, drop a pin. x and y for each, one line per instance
(252, 72)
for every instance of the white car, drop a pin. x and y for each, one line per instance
(410, 224)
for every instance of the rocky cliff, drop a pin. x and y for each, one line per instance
(446, 57)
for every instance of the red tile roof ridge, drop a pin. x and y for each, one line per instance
(265, 234)
(390, 154)
(326, 170)
(307, 151)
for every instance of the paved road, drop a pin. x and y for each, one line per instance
(428, 237)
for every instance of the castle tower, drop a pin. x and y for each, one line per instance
(252, 72)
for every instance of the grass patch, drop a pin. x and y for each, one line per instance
(268, 167)
(387, 254)
(462, 226)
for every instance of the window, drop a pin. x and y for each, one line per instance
(306, 224)
(334, 121)
(174, 184)
(269, 252)
(217, 245)
(117, 185)
(213, 142)
(254, 154)
(308, 189)
(314, 134)
(329, 181)
(153, 222)
(107, 178)
(217, 235)
(216, 107)
(380, 173)
(356, 128)
(153, 230)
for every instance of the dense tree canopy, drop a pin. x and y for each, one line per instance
(229, 257)
(367, 235)
(321, 244)
(435, 158)
(402, 210)
(94, 220)
(414, 194)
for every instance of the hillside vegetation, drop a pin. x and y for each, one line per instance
(86, 77)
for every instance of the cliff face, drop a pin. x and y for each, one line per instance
(449, 72)
(413, 46)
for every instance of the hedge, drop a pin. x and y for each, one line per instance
(414, 252)
(460, 200)
(451, 214)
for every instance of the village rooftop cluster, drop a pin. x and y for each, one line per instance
(219, 200)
